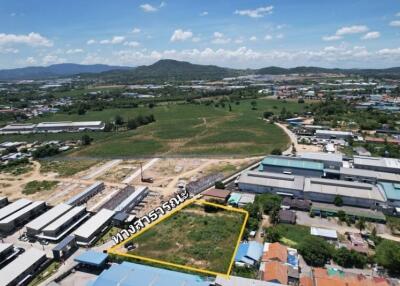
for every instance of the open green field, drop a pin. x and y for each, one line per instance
(180, 129)
(193, 237)
(66, 168)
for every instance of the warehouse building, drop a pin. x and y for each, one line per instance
(333, 134)
(292, 166)
(18, 128)
(35, 226)
(135, 198)
(392, 193)
(88, 232)
(7, 253)
(64, 224)
(330, 161)
(380, 164)
(18, 218)
(352, 193)
(368, 176)
(23, 268)
(69, 126)
(84, 196)
(265, 182)
(3, 201)
(13, 207)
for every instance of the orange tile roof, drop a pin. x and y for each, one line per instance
(276, 251)
(306, 281)
(275, 271)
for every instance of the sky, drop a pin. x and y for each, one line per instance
(237, 34)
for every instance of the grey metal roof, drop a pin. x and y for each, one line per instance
(64, 219)
(240, 281)
(272, 180)
(17, 267)
(4, 247)
(382, 176)
(139, 191)
(343, 188)
(87, 229)
(334, 132)
(63, 243)
(23, 211)
(377, 162)
(13, 207)
(86, 192)
(331, 157)
(48, 217)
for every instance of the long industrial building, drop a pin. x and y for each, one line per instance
(368, 176)
(87, 233)
(64, 224)
(13, 207)
(352, 193)
(84, 196)
(135, 198)
(292, 166)
(22, 268)
(266, 182)
(380, 164)
(330, 161)
(13, 221)
(35, 226)
(3, 201)
(52, 127)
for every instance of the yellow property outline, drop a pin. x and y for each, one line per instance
(113, 249)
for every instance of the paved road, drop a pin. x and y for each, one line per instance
(292, 138)
(137, 172)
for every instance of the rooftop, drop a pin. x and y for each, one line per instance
(128, 274)
(91, 257)
(275, 251)
(64, 219)
(87, 229)
(377, 162)
(272, 180)
(13, 207)
(292, 163)
(392, 191)
(23, 211)
(49, 216)
(275, 271)
(218, 193)
(380, 176)
(324, 232)
(322, 156)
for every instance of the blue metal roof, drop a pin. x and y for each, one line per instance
(255, 250)
(91, 257)
(249, 252)
(392, 191)
(132, 274)
(292, 163)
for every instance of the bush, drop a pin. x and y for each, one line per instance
(388, 255)
(315, 251)
(276, 151)
(272, 234)
(338, 201)
(45, 151)
(219, 185)
(349, 258)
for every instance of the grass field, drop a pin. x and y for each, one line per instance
(292, 235)
(193, 237)
(66, 168)
(38, 186)
(180, 129)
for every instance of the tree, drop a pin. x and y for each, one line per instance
(388, 255)
(118, 120)
(268, 114)
(253, 105)
(338, 201)
(274, 216)
(361, 224)
(86, 140)
(341, 215)
(108, 127)
(276, 151)
(315, 251)
(272, 234)
(349, 258)
(219, 185)
(131, 124)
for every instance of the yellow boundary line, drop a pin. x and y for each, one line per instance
(113, 249)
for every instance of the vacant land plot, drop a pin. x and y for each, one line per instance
(38, 186)
(193, 237)
(292, 235)
(65, 168)
(188, 129)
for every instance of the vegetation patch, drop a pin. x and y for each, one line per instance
(38, 186)
(66, 168)
(193, 237)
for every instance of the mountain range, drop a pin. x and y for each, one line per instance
(165, 70)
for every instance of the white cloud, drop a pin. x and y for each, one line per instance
(113, 41)
(31, 39)
(133, 44)
(74, 51)
(395, 23)
(204, 13)
(181, 35)
(148, 8)
(280, 36)
(398, 14)
(352, 30)
(220, 39)
(136, 30)
(196, 39)
(331, 38)
(52, 59)
(253, 38)
(268, 37)
(239, 40)
(256, 13)
(30, 61)
(371, 35)
(91, 42)
(5, 50)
